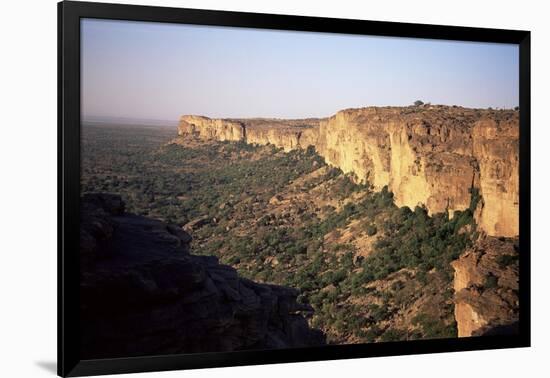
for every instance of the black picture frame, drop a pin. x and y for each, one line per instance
(69, 15)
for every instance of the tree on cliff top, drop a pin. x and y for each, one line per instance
(418, 103)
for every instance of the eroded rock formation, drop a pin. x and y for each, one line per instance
(486, 288)
(207, 128)
(496, 147)
(143, 293)
(430, 155)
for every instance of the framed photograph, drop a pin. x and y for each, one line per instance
(239, 188)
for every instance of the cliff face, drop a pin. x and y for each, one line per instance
(207, 128)
(495, 145)
(286, 134)
(419, 156)
(431, 155)
(486, 286)
(143, 293)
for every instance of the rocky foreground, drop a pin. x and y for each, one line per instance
(143, 293)
(486, 288)
(430, 155)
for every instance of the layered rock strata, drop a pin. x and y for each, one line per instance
(429, 155)
(143, 293)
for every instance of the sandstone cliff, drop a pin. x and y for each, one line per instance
(286, 134)
(143, 293)
(486, 288)
(430, 155)
(496, 147)
(207, 128)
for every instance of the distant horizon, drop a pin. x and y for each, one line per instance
(168, 122)
(121, 120)
(157, 71)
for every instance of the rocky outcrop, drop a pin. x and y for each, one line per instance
(421, 156)
(143, 293)
(430, 155)
(206, 128)
(286, 134)
(486, 288)
(496, 148)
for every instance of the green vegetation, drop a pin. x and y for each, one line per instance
(491, 282)
(433, 328)
(393, 334)
(415, 240)
(371, 230)
(506, 260)
(233, 185)
(178, 184)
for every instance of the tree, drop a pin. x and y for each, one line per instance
(418, 103)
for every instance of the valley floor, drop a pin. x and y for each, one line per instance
(371, 271)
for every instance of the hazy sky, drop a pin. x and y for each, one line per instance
(161, 71)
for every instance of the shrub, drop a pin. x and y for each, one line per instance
(372, 333)
(421, 277)
(434, 328)
(491, 282)
(506, 260)
(393, 334)
(338, 276)
(378, 313)
(233, 260)
(475, 197)
(371, 230)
